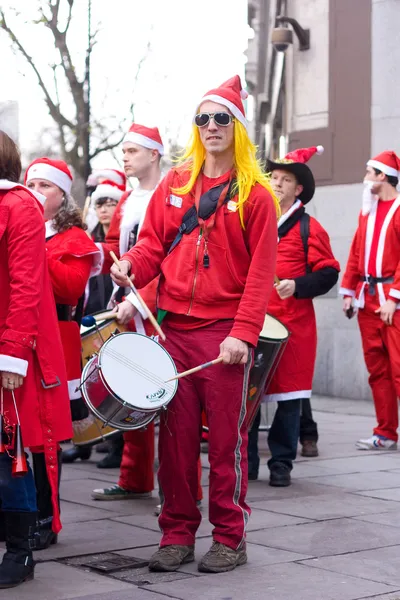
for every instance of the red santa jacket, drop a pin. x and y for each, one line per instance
(29, 338)
(387, 256)
(72, 256)
(238, 282)
(293, 377)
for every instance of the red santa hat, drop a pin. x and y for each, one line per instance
(303, 155)
(230, 94)
(107, 189)
(388, 162)
(148, 137)
(55, 171)
(113, 175)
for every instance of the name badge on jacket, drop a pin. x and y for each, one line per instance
(175, 201)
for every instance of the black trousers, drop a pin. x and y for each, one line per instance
(308, 427)
(293, 420)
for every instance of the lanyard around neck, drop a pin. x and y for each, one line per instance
(208, 225)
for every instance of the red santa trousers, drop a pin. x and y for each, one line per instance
(136, 471)
(381, 345)
(220, 391)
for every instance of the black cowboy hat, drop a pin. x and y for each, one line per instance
(302, 173)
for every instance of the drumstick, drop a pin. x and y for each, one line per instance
(276, 280)
(195, 369)
(104, 316)
(142, 302)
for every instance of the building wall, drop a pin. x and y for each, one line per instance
(331, 105)
(340, 369)
(385, 113)
(307, 72)
(342, 93)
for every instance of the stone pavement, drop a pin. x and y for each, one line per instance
(333, 535)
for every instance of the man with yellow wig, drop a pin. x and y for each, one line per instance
(210, 232)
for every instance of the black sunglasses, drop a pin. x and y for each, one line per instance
(221, 118)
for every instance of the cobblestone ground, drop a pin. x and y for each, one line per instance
(333, 535)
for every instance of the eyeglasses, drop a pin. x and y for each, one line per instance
(107, 204)
(221, 118)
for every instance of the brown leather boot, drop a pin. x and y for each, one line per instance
(309, 449)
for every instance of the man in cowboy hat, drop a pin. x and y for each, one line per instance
(306, 268)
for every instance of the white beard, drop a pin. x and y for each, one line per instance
(368, 198)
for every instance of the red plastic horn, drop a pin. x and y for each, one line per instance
(2, 436)
(19, 466)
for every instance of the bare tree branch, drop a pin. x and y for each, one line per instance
(136, 78)
(54, 110)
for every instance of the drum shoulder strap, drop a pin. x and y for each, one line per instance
(305, 234)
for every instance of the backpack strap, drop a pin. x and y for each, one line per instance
(305, 234)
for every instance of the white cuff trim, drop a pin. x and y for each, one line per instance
(346, 292)
(135, 302)
(13, 364)
(394, 293)
(73, 391)
(287, 396)
(100, 263)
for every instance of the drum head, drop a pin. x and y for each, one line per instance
(135, 368)
(273, 329)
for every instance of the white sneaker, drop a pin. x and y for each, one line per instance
(376, 443)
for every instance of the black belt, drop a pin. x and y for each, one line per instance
(64, 312)
(372, 281)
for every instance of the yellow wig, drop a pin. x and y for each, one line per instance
(248, 170)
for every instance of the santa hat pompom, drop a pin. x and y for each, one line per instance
(244, 94)
(320, 149)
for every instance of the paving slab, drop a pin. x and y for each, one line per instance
(261, 490)
(361, 463)
(259, 519)
(278, 582)
(132, 594)
(391, 518)
(387, 494)
(337, 536)
(54, 581)
(360, 481)
(327, 506)
(97, 536)
(80, 493)
(258, 556)
(381, 566)
(74, 513)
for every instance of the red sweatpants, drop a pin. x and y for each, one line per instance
(136, 471)
(381, 345)
(221, 392)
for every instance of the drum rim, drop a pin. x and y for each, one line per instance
(95, 411)
(100, 324)
(140, 409)
(276, 340)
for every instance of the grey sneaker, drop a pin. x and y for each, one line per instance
(170, 558)
(221, 558)
(115, 492)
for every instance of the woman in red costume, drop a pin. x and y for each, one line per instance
(31, 365)
(72, 258)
